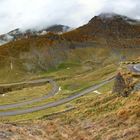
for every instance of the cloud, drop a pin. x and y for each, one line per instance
(41, 13)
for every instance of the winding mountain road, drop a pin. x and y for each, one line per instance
(54, 90)
(56, 103)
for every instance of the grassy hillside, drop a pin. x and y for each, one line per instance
(76, 60)
(24, 58)
(100, 39)
(99, 117)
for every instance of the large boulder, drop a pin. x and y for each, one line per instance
(123, 84)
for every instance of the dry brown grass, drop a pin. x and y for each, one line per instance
(112, 118)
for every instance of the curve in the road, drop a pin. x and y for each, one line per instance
(134, 68)
(57, 103)
(54, 90)
(137, 67)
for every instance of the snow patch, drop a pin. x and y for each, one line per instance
(96, 91)
(60, 88)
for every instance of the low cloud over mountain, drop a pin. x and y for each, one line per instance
(41, 13)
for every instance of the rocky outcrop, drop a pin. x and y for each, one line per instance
(128, 79)
(124, 84)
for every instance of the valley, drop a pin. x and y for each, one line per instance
(85, 81)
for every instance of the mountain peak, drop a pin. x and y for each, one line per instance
(108, 15)
(58, 28)
(19, 34)
(105, 17)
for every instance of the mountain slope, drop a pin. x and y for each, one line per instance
(75, 60)
(103, 33)
(99, 117)
(18, 34)
(106, 29)
(116, 30)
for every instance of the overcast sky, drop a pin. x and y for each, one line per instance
(41, 13)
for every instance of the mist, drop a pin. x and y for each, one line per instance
(38, 14)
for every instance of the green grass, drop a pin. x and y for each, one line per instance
(84, 78)
(106, 88)
(77, 103)
(25, 94)
(73, 85)
(72, 76)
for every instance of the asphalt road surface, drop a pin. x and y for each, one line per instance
(54, 90)
(56, 103)
(134, 68)
(137, 67)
